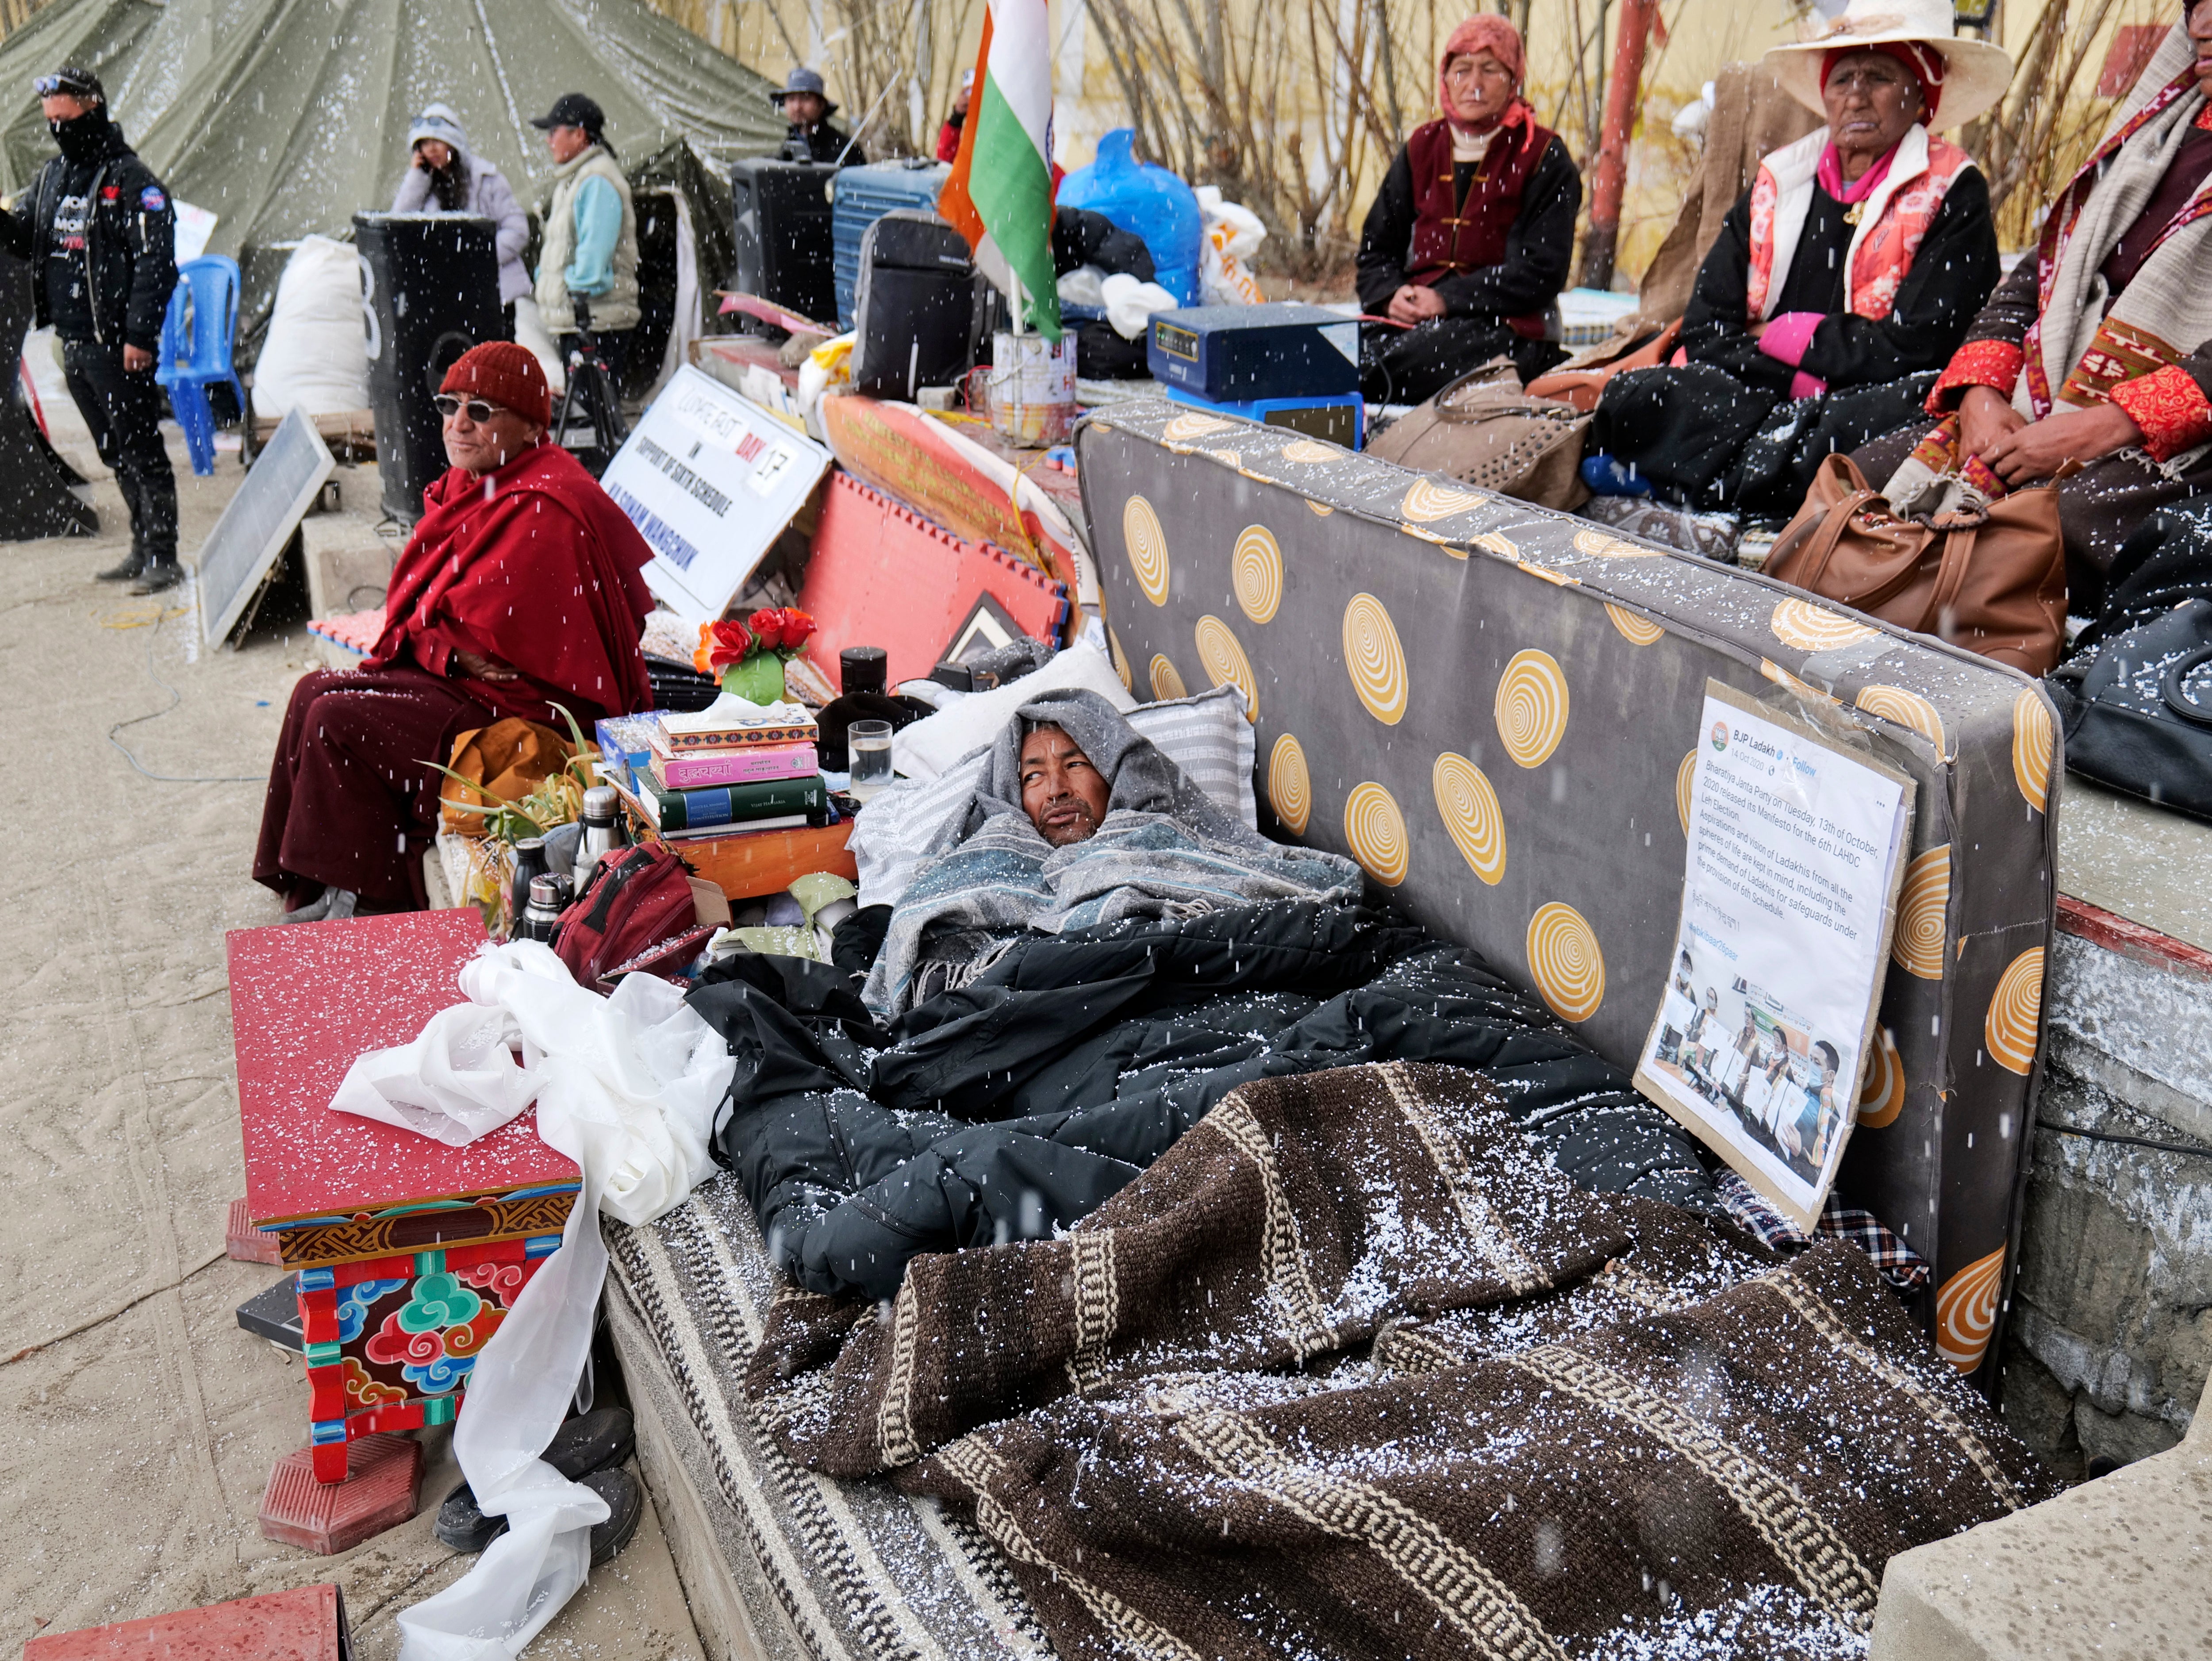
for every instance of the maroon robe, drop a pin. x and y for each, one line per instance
(531, 566)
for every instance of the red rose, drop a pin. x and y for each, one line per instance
(798, 629)
(768, 625)
(721, 644)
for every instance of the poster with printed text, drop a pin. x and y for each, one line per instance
(710, 479)
(1796, 841)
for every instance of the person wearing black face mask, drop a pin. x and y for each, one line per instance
(100, 231)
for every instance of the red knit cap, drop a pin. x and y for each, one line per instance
(505, 374)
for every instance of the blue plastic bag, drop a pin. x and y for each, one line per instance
(1150, 203)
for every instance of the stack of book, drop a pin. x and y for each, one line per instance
(717, 774)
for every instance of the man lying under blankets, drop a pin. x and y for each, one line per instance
(1093, 954)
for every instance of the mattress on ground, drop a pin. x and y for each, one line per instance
(777, 1562)
(1380, 621)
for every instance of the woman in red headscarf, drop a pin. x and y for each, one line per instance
(1467, 245)
(521, 589)
(1839, 284)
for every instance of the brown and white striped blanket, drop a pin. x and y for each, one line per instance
(1352, 1371)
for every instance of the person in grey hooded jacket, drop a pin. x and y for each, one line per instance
(446, 177)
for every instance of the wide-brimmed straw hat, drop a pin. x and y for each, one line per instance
(1975, 73)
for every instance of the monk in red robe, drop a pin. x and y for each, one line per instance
(521, 589)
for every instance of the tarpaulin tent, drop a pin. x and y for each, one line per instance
(297, 114)
(105, 36)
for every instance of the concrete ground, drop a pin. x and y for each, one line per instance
(140, 1422)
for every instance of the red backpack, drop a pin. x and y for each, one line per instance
(634, 913)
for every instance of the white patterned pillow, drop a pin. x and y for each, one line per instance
(1206, 736)
(1209, 739)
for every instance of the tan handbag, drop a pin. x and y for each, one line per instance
(1997, 586)
(1484, 430)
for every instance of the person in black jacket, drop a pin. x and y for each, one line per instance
(1466, 247)
(805, 101)
(100, 229)
(1841, 282)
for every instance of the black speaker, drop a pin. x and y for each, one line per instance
(785, 248)
(35, 498)
(430, 286)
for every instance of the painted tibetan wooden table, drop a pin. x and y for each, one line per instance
(409, 1253)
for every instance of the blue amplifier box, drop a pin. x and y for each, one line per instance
(1233, 354)
(1339, 418)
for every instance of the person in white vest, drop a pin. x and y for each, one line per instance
(587, 269)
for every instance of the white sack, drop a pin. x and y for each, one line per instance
(315, 356)
(1232, 235)
(529, 331)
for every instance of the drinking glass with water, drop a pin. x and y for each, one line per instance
(868, 743)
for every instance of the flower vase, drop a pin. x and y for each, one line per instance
(759, 678)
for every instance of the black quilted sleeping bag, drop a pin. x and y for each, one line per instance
(1018, 1104)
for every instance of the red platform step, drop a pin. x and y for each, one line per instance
(379, 1492)
(307, 1624)
(245, 1243)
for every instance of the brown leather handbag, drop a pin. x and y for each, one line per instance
(1484, 430)
(1995, 585)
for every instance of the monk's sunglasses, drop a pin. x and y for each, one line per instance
(479, 412)
(61, 86)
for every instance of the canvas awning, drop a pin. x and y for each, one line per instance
(285, 116)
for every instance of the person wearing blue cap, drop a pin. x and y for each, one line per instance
(803, 98)
(100, 230)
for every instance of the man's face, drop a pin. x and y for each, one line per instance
(1064, 795)
(805, 108)
(62, 107)
(486, 445)
(567, 143)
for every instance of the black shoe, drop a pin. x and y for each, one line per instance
(126, 571)
(462, 1526)
(592, 1442)
(625, 1498)
(578, 1448)
(159, 576)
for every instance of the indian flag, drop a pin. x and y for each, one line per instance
(1000, 195)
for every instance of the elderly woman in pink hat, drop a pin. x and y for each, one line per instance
(1466, 248)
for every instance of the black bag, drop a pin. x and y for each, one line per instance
(2166, 560)
(915, 310)
(2137, 711)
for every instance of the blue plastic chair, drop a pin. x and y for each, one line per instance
(196, 336)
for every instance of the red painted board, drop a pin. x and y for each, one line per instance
(306, 1000)
(880, 574)
(953, 476)
(301, 1625)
